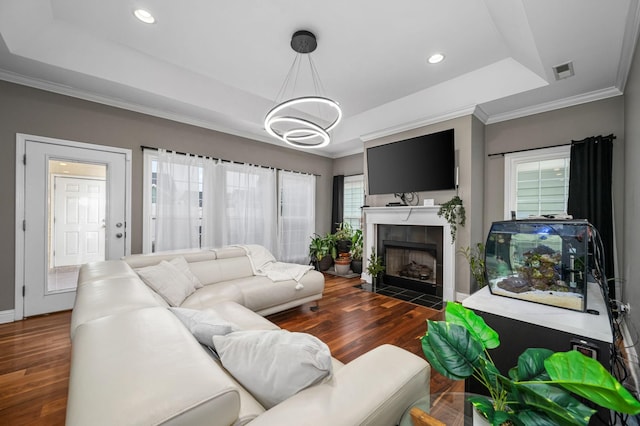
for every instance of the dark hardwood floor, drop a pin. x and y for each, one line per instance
(35, 352)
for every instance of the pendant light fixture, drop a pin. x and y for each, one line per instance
(303, 121)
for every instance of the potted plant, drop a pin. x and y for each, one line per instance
(475, 257)
(343, 236)
(454, 213)
(342, 263)
(320, 252)
(374, 265)
(540, 390)
(356, 251)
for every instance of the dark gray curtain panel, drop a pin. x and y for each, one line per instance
(590, 180)
(337, 204)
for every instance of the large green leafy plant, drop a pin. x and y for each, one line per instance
(540, 390)
(475, 257)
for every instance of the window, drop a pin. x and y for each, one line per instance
(234, 203)
(536, 182)
(297, 215)
(353, 200)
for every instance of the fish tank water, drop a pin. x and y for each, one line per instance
(542, 261)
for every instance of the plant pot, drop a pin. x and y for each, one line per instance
(325, 263)
(342, 264)
(343, 246)
(356, 266)
(342, 268)
(479, 419)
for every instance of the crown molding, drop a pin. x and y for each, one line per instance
(475, 110)
(410, 125)
(65, 90)
(596, 95)
(481, 114)
(629, 42)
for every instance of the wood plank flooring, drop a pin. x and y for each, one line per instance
(35, 353)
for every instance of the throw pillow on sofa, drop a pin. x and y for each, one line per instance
(204, 324)
(274, 364)
(167, 280)
(183, 266)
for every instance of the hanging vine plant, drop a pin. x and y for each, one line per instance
(454, 213)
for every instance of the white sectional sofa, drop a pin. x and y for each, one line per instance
(135, 363)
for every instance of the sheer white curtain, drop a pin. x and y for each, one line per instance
(242, 209)
(297, 216)
(212, 203)
(178, 202)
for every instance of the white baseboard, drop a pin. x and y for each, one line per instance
(461, 296)
(7, 316)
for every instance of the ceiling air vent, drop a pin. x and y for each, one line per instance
(563, 71)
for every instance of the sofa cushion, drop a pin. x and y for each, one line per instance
(110, 296)
(211, 294)
(182, 265)
(107, 269)
(167, 280)
(204, 324)
(150, 259)
(244, 318)
(143, 367)
(261, 293)
(275, 364)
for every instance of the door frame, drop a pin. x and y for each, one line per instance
(21, 145)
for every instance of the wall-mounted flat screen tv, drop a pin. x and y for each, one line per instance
(423, 163)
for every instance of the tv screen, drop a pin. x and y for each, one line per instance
(423, 163)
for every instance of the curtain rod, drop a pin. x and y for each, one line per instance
(153, 148)
(544, 147)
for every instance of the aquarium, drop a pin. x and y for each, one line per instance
(542, 261)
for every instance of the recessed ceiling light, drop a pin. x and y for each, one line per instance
(436, 58)
(144, 16)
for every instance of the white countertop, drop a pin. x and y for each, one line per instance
(579, 323)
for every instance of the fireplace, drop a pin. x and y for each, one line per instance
(414, 237)
(413, 266)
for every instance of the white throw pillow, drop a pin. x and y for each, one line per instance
(204, 324)
(167, 280)
(274, 364)
(183, 266)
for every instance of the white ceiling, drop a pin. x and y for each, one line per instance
(220, 65)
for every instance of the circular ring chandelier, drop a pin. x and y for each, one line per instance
(299, 121)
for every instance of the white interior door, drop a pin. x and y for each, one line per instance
(69, 221)
(78, 220)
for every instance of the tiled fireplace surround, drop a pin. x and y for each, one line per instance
(412, 216)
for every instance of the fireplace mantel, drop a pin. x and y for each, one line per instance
(411, 215)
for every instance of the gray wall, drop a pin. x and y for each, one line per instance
(631, 293)
(36, 112)
(554, 128)
(349, 165)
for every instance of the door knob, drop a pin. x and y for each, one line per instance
(119, 225)
(119, 235)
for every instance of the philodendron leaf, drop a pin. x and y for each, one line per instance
(532, 418)
(531, 365)
(430, 355)
(555, 402)
(586, 377)
(457, 314)
(450, 349)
